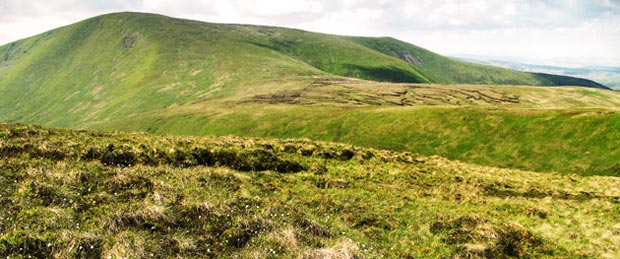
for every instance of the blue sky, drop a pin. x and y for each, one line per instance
(553, 32)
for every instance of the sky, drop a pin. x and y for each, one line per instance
(568, 33)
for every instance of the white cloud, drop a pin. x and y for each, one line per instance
(571, 32)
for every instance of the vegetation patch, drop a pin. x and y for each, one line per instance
(475, 237)
(144, 196)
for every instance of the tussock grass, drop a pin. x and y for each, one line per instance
(344, 202)
(565, 139)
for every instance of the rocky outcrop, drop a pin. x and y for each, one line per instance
(407, 57)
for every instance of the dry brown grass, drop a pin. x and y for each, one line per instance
(345, 249)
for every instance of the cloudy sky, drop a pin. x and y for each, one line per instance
(553, 32)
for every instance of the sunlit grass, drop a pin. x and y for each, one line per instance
(81, 194)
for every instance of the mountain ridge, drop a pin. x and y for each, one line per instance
(281, 45)
(156, 74)
(608, 76)
(96, 68)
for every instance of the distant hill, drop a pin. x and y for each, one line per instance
(124, 63)
(440, 69)
(608, 76)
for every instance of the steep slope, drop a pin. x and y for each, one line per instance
(446, 70)
(120, 64)
(115, 65)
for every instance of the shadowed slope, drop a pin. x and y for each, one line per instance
(441, 69)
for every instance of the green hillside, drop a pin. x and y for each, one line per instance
(119, 64)
(568, 130)
(440, 69)
(77, 194)
(146, 72)
(582, 141)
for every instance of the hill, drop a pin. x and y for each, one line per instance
(608, 76)
(78, 194)
(119, 64)
(440, 69)
(145, 72)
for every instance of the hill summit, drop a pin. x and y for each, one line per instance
(118, 64)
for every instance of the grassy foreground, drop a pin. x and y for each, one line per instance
(74, 194)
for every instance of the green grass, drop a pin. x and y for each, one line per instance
(84, 72)
(74, 194)
(546, 129)
(145, 72)
(119, 64)
(440, 69)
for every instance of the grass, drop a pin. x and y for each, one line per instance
(115, 65)
(439, 69)
(89, 194)
(144, 72)
(74, 194)
(539, 129)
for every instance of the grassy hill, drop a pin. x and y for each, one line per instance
(582, 141)
(78, 194)
(145, 72)
(440, 69)
(119, 64)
